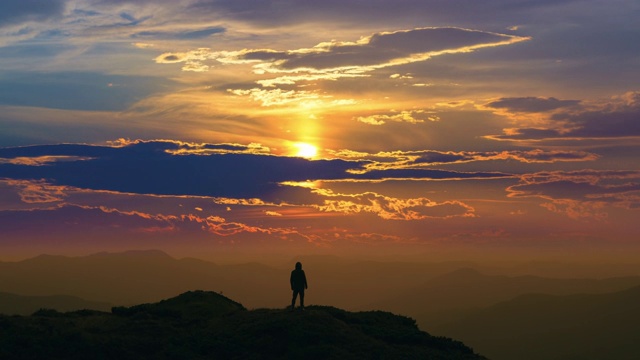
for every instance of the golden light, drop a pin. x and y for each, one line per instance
(304, 184)
(305, 150)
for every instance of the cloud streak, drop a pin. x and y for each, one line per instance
(412, 117)
(531, 104)
(405, 160)
(390, 208)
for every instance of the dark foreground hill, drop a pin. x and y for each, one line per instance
(199, 325)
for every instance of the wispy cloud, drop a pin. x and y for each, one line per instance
(530, 104)
(276, 97)
(408, 116)
(390, 208)
(336, 59)
(387, 160)
(112, 220)
(189, 34)
(40, 160)
(37, 191)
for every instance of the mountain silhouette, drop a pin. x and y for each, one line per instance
(538, 326)
(205, 325)
(12, 304)
(451, 296)
(135, 277)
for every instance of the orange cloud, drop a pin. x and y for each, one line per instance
(387, 160)
(37, 191)
(40, 160)
(189, 222)
(390, 208)
(412, 117)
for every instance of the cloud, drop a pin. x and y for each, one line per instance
(86, 25)
(278, 97)
(74, 219)
(40, 160)
(37, 191)
(18, 11)
(531, 104)
(77, 219)
(613, 118)
(335, 59)
(412, 117)
(538, 156)
(175, 147)
(181, 35)
(390, 208)
(220, 171)
(388, 49)
(387, 160)
(353, 12)
(581, 194)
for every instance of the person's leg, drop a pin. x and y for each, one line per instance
(293, 300)
(302, 298)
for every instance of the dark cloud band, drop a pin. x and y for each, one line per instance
(173, 168)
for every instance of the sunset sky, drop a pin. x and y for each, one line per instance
(223, 127)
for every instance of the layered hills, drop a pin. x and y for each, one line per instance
(541, 326)
(25, 305)
(452, 296)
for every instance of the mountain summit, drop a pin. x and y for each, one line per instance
(205, 325)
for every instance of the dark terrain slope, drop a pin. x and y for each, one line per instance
(206, 325)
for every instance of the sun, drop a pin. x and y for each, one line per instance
(305, 150)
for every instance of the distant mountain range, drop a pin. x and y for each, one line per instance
(144, 276)
(137, 277)
(537, 326)
(12, 304)
(206, 325)
(451, 296)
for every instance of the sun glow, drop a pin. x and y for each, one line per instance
(305, 150)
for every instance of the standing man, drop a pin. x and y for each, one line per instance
(298, 285)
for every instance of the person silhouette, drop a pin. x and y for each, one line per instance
(298, 282)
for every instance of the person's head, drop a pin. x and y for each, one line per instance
(298, 265)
